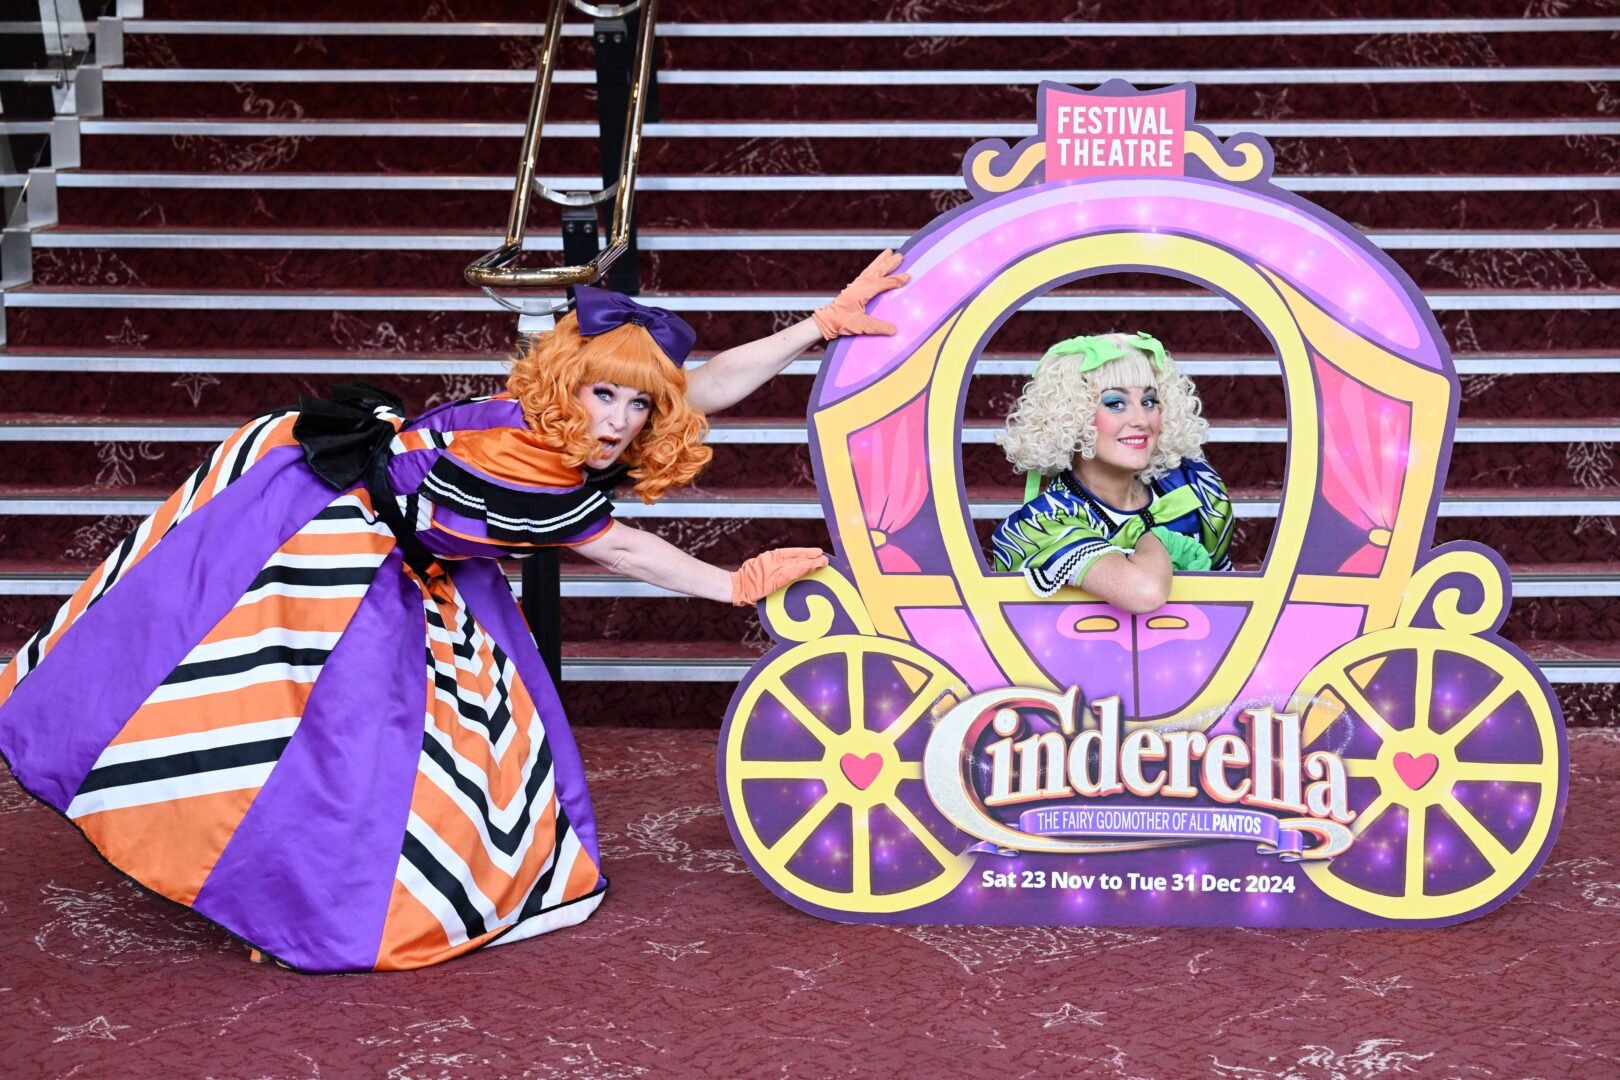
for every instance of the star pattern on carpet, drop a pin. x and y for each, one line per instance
(194, 383)
(1068, 1013)
(95, 1028)
(676, 952)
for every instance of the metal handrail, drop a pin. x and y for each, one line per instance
(496, 270)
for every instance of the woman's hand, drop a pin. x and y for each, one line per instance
(1185, 552)
(762, 575)
(847, 314)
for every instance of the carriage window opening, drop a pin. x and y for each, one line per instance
(1193, 416)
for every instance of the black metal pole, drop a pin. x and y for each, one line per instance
(615, 46)
(542, 606)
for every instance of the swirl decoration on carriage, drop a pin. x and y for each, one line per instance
(1338, 739)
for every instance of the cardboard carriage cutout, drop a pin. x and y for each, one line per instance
(1338, 739)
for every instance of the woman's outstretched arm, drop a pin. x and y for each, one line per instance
(656, 561)
(734, 374)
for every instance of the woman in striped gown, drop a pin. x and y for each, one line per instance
(300, 699)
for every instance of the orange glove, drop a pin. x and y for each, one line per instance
(847, 314)
(768, 571)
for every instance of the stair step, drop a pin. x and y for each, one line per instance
(1068, 300)
(1010, 43)
(823, 78)
(848, 147)
(704, 662)
(671, 262)
(894, 203)
(35, 500)
(43, 577)
(128, 387)
(1373, 13)
(692, 240)
(31, 428)
(1317, 94)
(863, 130)
(1529, 540)
(114, 467)
(990, 364)
(55, 320)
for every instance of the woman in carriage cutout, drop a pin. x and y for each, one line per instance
(1117, 428)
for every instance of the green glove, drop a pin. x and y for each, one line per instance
(1185, 552)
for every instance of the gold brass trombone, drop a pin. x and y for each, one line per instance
(498, 269)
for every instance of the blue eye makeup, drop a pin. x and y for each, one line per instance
(1113, 400)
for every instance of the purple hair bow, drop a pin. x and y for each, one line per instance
(601, 310)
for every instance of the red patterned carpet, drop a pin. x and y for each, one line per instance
(692, 969)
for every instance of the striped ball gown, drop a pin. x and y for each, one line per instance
(256, 708)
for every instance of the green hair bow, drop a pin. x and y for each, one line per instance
(1095, 351)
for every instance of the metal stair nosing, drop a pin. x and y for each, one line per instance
(809, 129)
(791, 433)
(1578, 672)
(1155, 29)
(1269, 76)
(797, 182)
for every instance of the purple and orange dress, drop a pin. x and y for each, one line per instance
(256, 707)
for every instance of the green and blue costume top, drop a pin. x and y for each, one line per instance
(1056, 536)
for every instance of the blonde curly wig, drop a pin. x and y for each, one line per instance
(1055, 417)
(669, 452)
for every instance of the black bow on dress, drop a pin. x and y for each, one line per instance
(342, 436)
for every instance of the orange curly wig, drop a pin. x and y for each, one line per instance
(669, 452)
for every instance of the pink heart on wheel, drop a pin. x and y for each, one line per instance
(1416, 771)
(862, 770)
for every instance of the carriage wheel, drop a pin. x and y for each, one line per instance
(861, 843)
(1417, 763)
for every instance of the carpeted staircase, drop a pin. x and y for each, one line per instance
(243, 210)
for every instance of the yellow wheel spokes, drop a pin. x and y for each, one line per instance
(1417, 850)
(943, 855)
(862, 792)
(917, 709)
(1508, 772)
(1488, 845)
(1416, 793)
(792, 840)
(801, 712)
(780, 770)
(1492, 701)
(1423, 689)
(1357, 702)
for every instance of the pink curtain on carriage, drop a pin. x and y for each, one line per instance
(1366, 443)
(891, 473)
